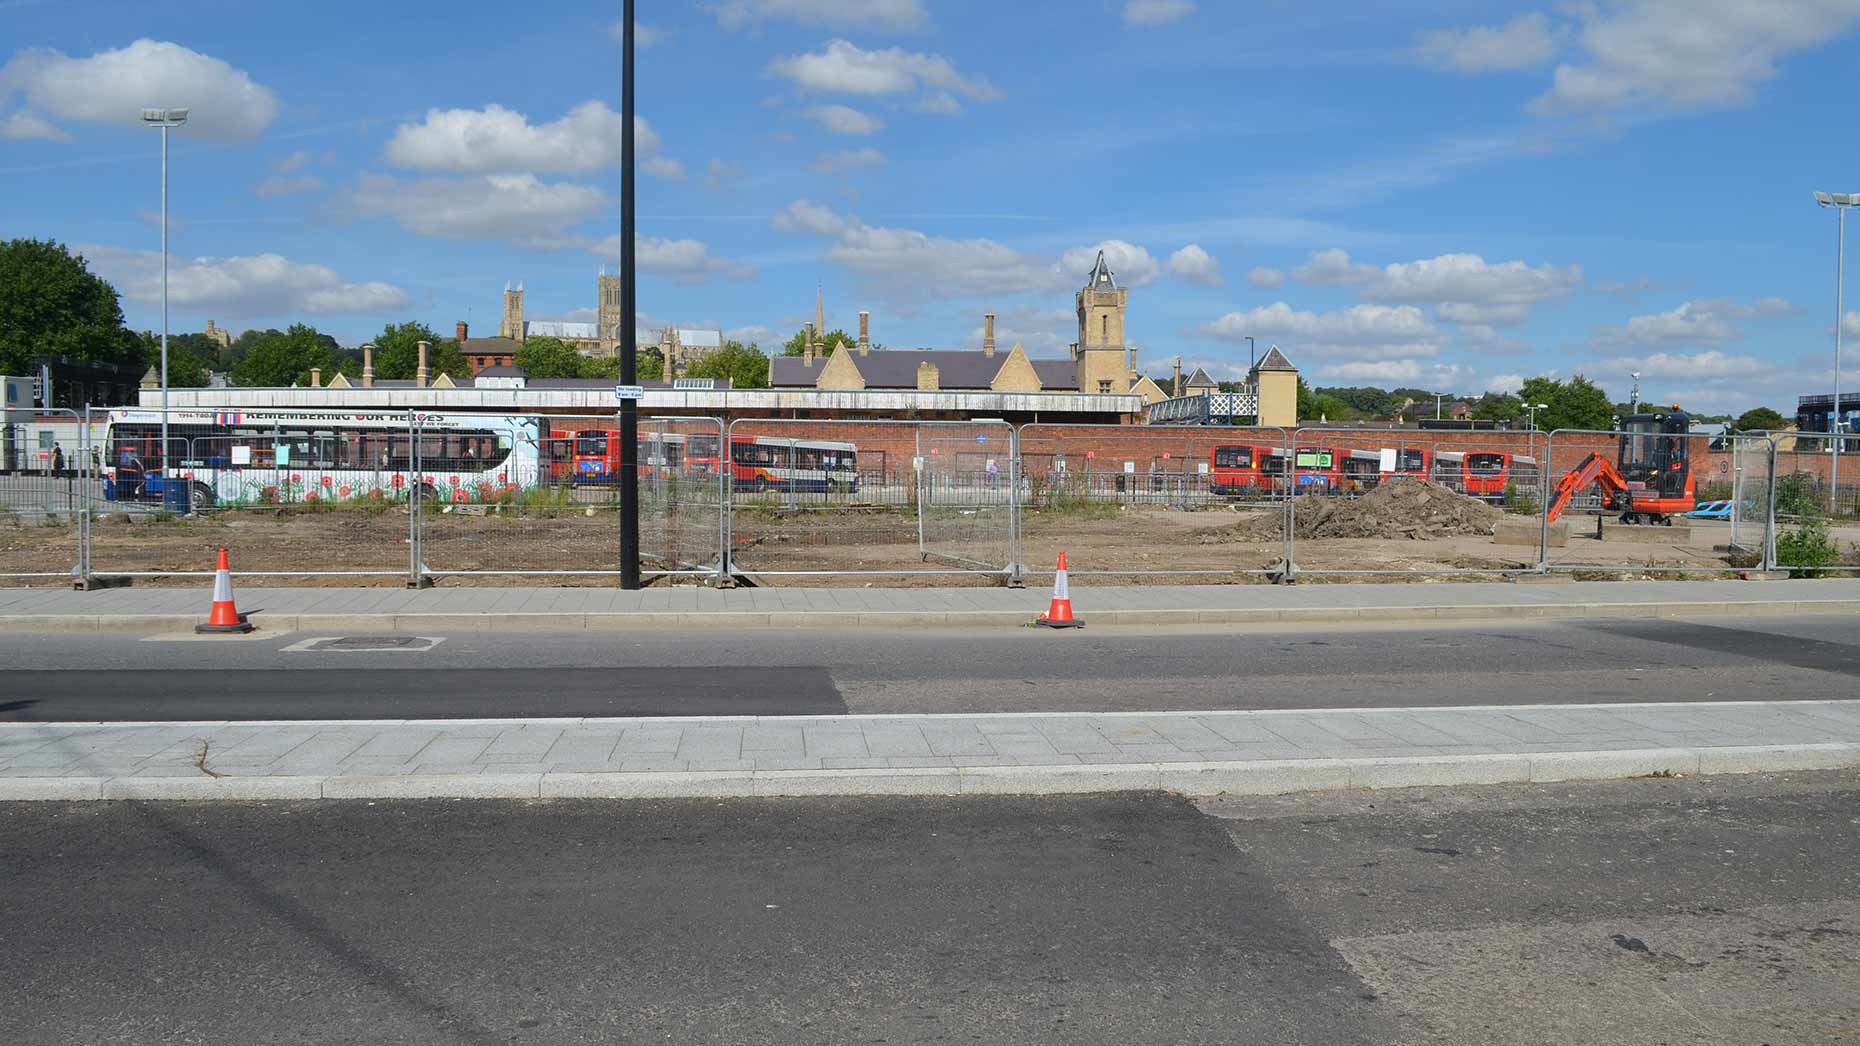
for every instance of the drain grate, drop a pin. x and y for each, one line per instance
(411, 644)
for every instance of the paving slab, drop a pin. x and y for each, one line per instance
(1199, 753)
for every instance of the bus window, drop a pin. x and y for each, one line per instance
(1233, 457)
(1485, 464)
(1411, 461)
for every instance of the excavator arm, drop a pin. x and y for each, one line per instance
(1594, 469)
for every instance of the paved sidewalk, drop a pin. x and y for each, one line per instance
(1194, 753)
(573, 609)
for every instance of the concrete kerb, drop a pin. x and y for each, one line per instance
(906, 619)
(1255, 777)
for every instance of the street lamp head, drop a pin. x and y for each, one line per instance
(164, 117)
(1541, 406)
(1824, 199)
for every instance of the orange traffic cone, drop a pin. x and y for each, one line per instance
(225, 616)
(1059, 615)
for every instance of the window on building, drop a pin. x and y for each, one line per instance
(1104, 387)
(1104, 329)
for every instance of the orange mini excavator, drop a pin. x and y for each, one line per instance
(1651, 478)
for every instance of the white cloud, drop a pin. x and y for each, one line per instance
(1378, 370)
(845, 68)
(1131, 264)
(643, 35)
(755, 334)
(1699, 322)
(114, 86)
(719, 173)
(872, 14)
(686, 262)
(938, 103)
(1504, 383)
(1333, 268)
(1156, 12)
(260, 285)
(1264, 278)
(810, 217)
(1850, 325)
(1687, 54)
(1710, 365)
(1360, 332)
(287, 185)
(23, 125)
(1041, 332)
(1465, 287)
(496, 139)
(296, 161)
(516, 208)
(664, 167)
(850, 160)
(1523, 42)
(909, 263)
(844, 119)
(1196, 265)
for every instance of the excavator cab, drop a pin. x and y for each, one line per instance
(1655, 453)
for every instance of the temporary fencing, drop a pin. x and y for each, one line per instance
(871, 497)
(1412, 529)
(412, 496)
(45, 482)
(1721, 522)
(1103, 494)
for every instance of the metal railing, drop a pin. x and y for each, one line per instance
(416, 496)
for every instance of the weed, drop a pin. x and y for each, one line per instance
(1807, 550)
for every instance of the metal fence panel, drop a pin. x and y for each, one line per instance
(1135, 500)
(1599, 532)
(545, 497)
(1353, 515)
(871, 497)
(46, 478)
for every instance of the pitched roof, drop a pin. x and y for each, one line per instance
(1200, 380)
(897, 369)
(490, 346)
(1274, 360)
(502, 371)
(1101, 278)
(561, 329)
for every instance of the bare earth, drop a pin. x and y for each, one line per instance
(1144, 544)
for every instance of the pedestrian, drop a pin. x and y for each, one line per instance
(58, 457)
(994, 473)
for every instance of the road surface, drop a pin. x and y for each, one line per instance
(1653, 911)
(72, 678)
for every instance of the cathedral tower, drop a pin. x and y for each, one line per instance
(607, 319)
(512, 323)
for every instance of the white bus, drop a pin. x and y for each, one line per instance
(296, 457)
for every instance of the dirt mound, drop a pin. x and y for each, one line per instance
(1413, 509)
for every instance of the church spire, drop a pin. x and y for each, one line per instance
(1102, 278)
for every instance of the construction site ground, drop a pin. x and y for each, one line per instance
(1127, 544)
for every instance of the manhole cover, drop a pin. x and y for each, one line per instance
(336, 644)
(374, 643)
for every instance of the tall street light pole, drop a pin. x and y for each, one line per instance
(629, 325)
(1841, 202)
(164, 119)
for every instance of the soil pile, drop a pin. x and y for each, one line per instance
(1412, 509)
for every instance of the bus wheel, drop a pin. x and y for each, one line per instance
(201, 496)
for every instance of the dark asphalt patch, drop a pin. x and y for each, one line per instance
(1127, 920)
(1796, 652)
(416, 693)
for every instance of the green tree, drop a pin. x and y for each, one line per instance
(51, 304)
(744, 365)
(651, 366)
(1574, 404)
(1500, 407)
(1761, 419)
(276, 360)
(187, 367)
(542, 357)
(397, 353)
(823, 344)
(1307, 403)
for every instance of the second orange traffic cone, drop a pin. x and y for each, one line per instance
(225, 616)
(1059, 615)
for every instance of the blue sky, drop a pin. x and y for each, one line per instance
(1445, 194)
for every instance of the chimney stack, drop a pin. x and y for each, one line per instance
(368, 366)
(1177, 389)
(865, 333)
(463, 330)
(807, 350)
(988, 334)
(420, 375)
(316, 377)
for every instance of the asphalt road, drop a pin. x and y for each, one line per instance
(1722, 911)
(68, 678)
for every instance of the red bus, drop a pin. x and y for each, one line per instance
(1486, 473)
(592, 456)
(1238, 468)
(779, 463)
